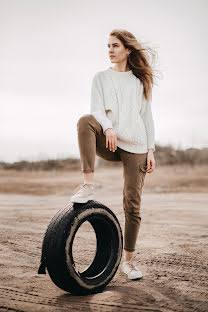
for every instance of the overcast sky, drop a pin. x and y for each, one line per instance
(50, 51)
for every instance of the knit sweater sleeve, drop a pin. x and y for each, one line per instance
(146, 114)
(97, 108)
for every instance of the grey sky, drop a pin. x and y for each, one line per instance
(50, 51)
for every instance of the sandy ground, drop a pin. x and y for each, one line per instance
(171, 248)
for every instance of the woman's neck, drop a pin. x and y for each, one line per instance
(121, 68)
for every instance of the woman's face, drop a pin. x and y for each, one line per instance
(117, 51)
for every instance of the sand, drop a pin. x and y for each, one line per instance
(171, 248)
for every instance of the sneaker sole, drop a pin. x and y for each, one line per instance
(82, 200)
(134, 278)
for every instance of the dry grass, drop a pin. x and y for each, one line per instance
(178, 178)
(164, 155)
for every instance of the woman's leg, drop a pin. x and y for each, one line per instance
(88, 177)
(92, 141)
(134, 172)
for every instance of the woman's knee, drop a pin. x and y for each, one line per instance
(133, 194)
(132, 202)
(133, 212)
(84, 120)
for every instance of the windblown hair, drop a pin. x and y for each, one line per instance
(139, 60)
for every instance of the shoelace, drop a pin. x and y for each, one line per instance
(81, 187)
(132, 264)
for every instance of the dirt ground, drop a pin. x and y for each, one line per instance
(171, 247)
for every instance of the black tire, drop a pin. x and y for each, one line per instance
(57, 248)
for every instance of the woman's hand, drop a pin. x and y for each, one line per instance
(111, 139)
(150, 161)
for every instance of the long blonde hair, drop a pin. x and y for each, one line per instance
(139, 60)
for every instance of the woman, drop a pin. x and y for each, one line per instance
(120, 128)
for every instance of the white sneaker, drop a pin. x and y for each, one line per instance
(85, 192)
(129, 268)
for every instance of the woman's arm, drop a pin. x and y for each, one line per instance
(97, 108)
(146, 114)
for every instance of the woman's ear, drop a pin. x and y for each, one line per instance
(128, 51)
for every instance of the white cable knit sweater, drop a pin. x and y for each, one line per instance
(118, 102)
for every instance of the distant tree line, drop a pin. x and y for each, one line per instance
(164, 155)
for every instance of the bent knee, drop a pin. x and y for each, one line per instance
(84, 120)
